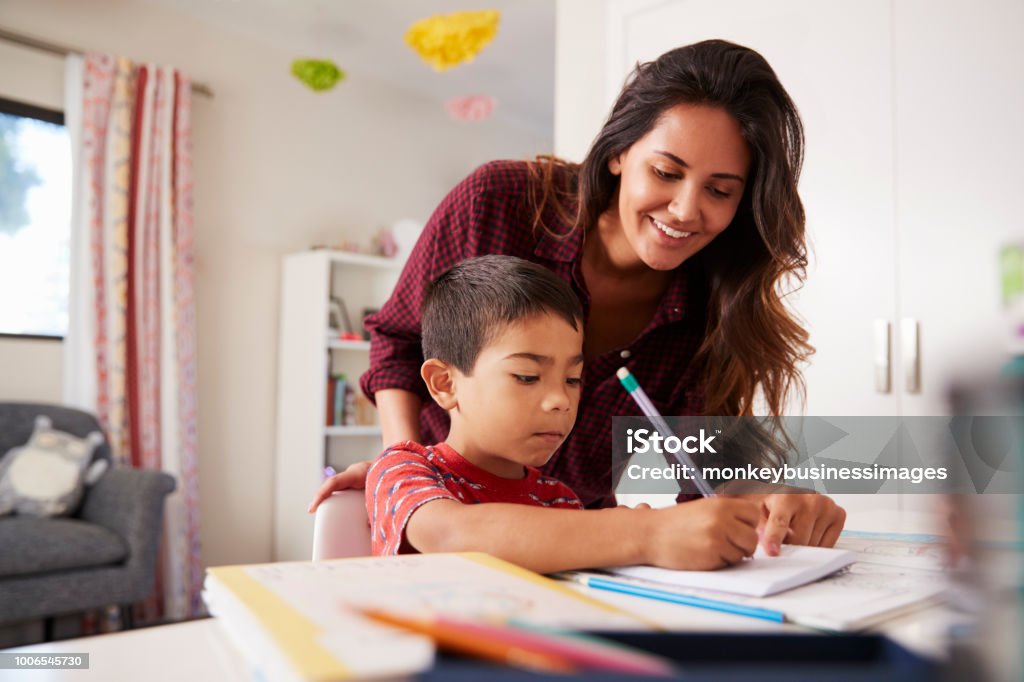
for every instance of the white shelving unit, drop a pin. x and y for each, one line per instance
(348, 345)
(305, 444)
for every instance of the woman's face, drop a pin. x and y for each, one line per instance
(680, 186)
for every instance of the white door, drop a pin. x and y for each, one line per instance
(959, 143)
(835, 62)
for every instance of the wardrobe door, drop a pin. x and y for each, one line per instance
(959, 144)
(835, 61)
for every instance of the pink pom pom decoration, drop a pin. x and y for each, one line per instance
(470, 108)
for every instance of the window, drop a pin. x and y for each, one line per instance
(35, 221)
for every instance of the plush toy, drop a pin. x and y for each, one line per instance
(47, 475)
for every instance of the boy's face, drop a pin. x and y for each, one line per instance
(519, 403)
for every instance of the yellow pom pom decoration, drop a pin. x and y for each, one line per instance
(444, 41)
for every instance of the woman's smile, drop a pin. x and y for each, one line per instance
(665, 229)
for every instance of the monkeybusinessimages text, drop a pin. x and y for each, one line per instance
(644, 441)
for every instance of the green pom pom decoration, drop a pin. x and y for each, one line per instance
(318, 74)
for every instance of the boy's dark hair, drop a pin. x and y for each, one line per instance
(466, 306)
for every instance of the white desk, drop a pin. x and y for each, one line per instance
(184, 652)
(199, 650)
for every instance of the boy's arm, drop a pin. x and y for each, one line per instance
(699, 535)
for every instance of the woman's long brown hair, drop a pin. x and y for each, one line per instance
(752, 342)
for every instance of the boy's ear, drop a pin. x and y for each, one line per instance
(440, 380)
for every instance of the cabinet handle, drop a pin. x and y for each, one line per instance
(883, 343)
(912, 354)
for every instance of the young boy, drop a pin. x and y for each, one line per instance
(503, 342)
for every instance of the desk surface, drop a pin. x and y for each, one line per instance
(184, 652)
(199, 650)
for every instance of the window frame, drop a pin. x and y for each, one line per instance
(26, 110)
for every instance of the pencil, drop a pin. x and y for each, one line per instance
(638, 395)
(452, 636)
(637, 590)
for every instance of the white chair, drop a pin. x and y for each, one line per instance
(341, 527)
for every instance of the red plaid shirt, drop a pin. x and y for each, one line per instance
(490, 213)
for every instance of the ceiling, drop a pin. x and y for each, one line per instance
(365, 39)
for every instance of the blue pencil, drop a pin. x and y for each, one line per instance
(636, 590)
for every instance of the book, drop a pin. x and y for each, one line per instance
(331, 386)
(283, 641)
(304, 621)
(340, 386)
(759, 576)
(348, 412)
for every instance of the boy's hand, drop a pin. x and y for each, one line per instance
(799, 519)
(703, 534)
(352, 477)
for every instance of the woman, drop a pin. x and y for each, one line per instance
(677, 232)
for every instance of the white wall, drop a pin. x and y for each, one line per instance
(580, 101)
(277, 168)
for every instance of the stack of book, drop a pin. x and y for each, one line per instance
(341, 401)
(308, 620)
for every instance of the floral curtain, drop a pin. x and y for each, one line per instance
(130, 353)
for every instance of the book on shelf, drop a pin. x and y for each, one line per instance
(331, 387)
(346, 405)
(341, 385)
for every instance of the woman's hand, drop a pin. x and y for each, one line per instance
(352, 477)
(799, 519)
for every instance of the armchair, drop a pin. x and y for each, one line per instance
(105, 554)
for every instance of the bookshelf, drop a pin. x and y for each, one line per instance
(307, 354)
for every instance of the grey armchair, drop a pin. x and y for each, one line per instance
(103, 555)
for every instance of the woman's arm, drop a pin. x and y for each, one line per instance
(393, 380)
(399, 415)
(396, 352)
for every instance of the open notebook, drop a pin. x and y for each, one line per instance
(759, 576)
(891, 576)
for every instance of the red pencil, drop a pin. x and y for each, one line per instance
(456, 638)
(566, 651)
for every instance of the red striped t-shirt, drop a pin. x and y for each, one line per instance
(408, 475)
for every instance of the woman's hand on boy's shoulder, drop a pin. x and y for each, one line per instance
(352, 477)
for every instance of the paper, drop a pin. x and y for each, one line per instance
(891, 551)
(891, 576)
(759, 576)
